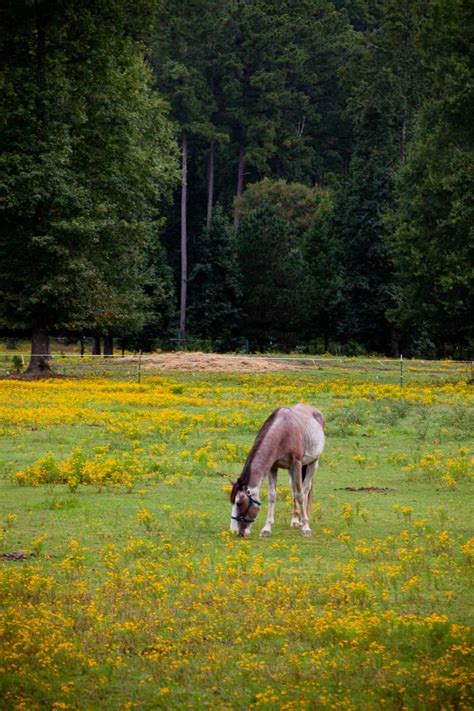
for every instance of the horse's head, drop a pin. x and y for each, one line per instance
(244, 509)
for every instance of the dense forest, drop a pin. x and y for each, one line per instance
(243, 173)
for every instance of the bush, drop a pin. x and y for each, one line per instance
(352, 348)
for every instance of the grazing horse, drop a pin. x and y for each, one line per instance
(291, 438)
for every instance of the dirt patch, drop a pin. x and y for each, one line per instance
(368, 489)
(18, 555)
(213, 362)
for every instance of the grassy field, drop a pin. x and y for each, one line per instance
(121, 586)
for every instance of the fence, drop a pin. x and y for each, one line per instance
(99, 346)
(122, 367)
(137, 367)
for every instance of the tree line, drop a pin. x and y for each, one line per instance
(297, 173)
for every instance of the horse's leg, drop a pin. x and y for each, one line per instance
(272, 480)
(297, 518)
(307, 486)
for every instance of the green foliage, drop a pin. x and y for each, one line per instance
(432, 236)
(275, 62)
(382, 77)
(273, 274)
(324, 283)
(286, 263)
(17, 363)
(349, 120)
(294, 202)
(215, 284)
(87, 153)
(183, 54)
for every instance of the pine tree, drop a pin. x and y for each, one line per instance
(183, 64)
(383, 75)
(215, 285)
(277, 76)
(272, 269)
(432, 239)
(324, 277)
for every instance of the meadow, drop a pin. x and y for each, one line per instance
(122, 587)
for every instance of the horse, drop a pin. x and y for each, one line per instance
(291, 438)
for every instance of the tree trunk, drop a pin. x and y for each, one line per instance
(210, 183)
(108, 346)
(184, 239)
(240, 180)
(39, 352)
(96, 349)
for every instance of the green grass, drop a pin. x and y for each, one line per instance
(139, 597)
(66, 361)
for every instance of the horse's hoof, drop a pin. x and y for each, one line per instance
(307, 532)
(265, 532)
(296, 524)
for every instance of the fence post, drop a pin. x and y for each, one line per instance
(139, 367)
(401, 371)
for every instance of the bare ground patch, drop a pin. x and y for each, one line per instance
(214, 362)
(368, 489)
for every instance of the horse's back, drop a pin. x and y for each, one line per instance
(307, 411)
(311, 421)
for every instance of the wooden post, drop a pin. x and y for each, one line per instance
(139, 368)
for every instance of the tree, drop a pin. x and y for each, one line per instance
(248, 83)
(273, 64)
(431, 222)
(272, 269)
(293, 208)
(182, 57)
(87, 153)
(215, 284)
(383, 77)
(324, 282)
(295, 202)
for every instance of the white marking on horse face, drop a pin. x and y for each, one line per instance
(234, 526)
(241, 507)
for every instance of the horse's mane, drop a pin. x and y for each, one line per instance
(244, 478)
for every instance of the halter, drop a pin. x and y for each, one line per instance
(243, 518)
